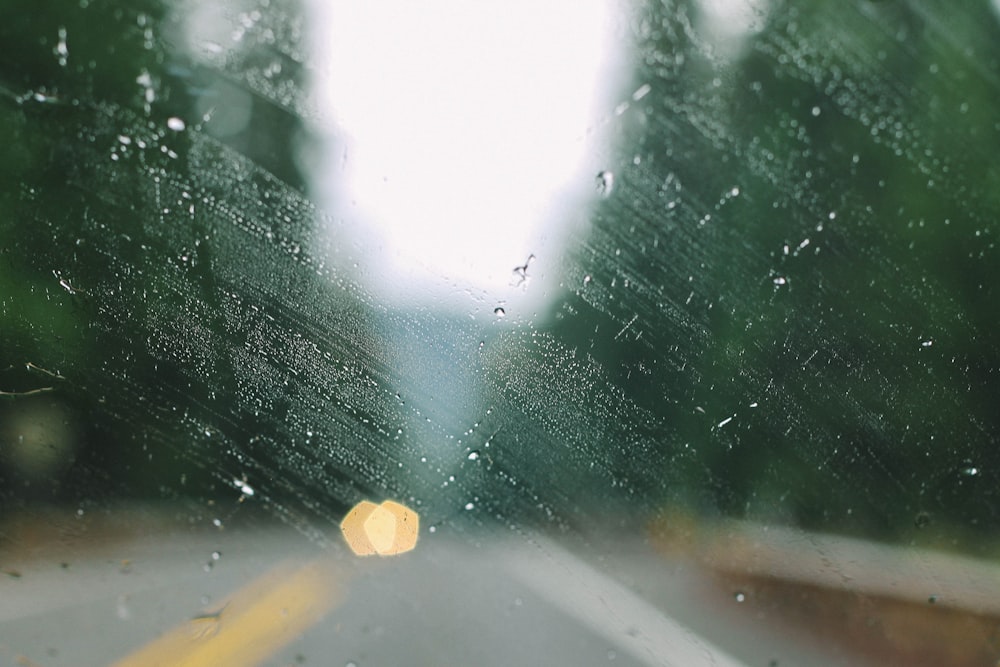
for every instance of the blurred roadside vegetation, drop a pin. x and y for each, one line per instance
(818, 313)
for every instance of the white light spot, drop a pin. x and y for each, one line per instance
(61, 50)
(244, 488)
(641, 92)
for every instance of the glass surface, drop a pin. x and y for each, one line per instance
(667, 329)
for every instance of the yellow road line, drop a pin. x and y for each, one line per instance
(253, 624)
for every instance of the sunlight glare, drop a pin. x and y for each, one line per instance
(461, 131)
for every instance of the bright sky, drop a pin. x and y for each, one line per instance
(468, 127)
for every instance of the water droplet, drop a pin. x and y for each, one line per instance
(39, 96)
(740, 597)
(605, 182)
(473, 456)
(122, 608)
(61, 50)
(216, 555)
(244, 488)
(641, 92)
(499, 311)
(469, 506)
(815, 111)
(587, 279)
(176, 124)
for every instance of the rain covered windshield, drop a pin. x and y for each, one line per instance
(499, 333)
